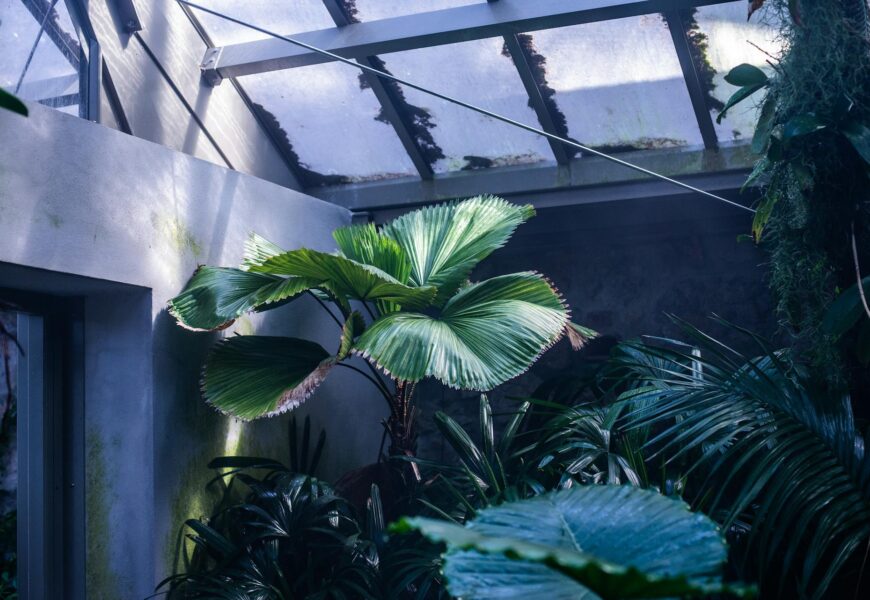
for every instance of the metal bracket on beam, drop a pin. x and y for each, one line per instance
(128, 16)
(209, 73)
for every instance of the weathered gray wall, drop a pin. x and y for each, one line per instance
(168, 51)
(81, 199)
(623, 265)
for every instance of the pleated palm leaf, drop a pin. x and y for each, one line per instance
(765, 444)
(588, 542)
(424, 317)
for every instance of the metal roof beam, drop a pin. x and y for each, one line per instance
(453, 25)
(677, 25)
(387, 98)
(597, 178)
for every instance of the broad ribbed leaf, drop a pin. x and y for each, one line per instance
(364, 244)
(254, 376)
(258, 250)
(346, 277)
(613, 541)
(486, 334)
(445, 242)
(215, 296)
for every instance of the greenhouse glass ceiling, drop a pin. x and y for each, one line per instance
(616, 84)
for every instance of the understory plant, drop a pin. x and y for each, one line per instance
(813, 135)
(402, 300)
(770, 451)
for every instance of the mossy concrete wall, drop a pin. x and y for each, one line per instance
(83, 200)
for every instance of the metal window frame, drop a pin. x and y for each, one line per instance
(493, 18)
(51, 453)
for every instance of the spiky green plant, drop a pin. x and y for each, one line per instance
(766, 445)
(425, 319)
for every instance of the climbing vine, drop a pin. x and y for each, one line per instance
(813, 135)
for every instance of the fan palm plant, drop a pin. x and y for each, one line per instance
(766, 445)
(425, 319)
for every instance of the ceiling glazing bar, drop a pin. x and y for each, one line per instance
(387, 98)
(536, 98)
(469, 106)
(421, 30)
(677, 23)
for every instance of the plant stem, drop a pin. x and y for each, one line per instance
(381, 388)
(326, 308)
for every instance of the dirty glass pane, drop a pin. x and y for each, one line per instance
(285, 18)
(8, 454)
(619, 84)
(731, 40)
(332, 122)
(369, 10)
(42, 66)
(476, 72)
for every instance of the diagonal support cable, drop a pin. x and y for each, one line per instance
(387, 99)
(472, 107)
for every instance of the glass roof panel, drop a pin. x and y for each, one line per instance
(332, 123)
(285, 18)
(50, 74)
(730, 40)
(619, 84)
(369, 10)
(476, 72)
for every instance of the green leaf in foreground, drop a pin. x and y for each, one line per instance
(253, 376)
(593, 541)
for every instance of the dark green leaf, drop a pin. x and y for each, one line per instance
(859, 134)
(764, 127)
(862, 346)
(845, 310)
(10, 102)
(746, 75)
(737, 97)
(215, 296)
(801, 125)
(254, 376)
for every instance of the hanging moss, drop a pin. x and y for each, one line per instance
(818, 186)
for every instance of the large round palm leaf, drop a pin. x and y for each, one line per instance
(487, 333)
(589, 541)
(445, 242)
(254, 376)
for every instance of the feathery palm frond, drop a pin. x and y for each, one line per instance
(771, 445)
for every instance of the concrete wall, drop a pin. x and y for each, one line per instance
(127, 221)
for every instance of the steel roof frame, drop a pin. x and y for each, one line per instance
(504, 18)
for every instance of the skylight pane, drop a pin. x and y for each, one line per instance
(285, 18)
(47, 72)
(332, 124)
(619, 84)
(479, 73)
(730, 40)
(369, 10)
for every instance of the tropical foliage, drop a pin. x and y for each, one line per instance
(584, 542)
(425, 319)
(813, 136)
(770, 452)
